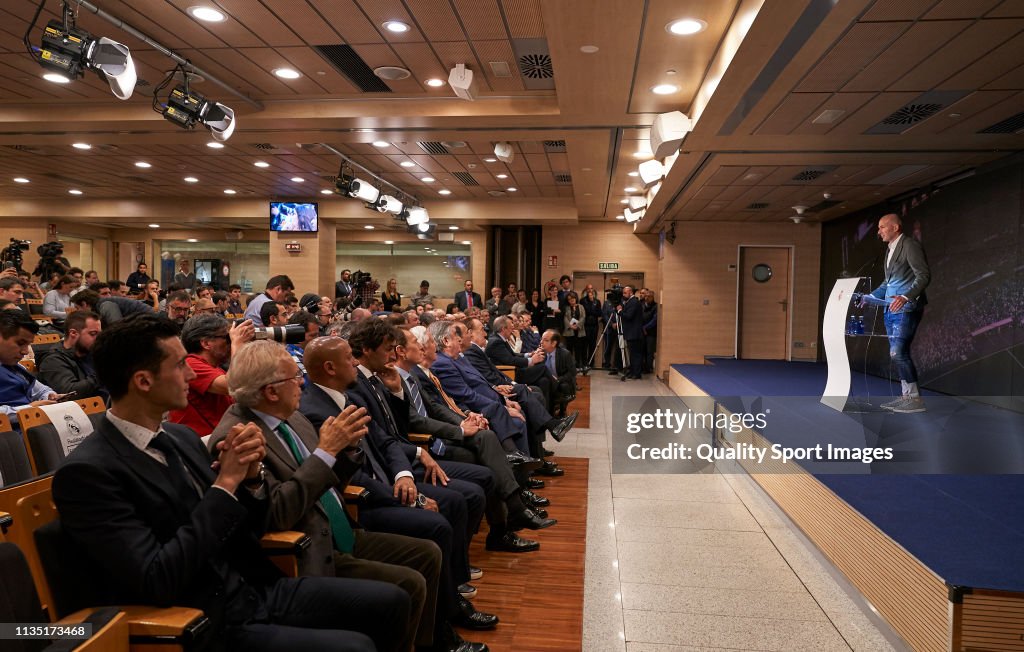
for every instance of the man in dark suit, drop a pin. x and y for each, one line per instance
(529, 369)
(305, 471)
(631, 321)
(467, 298)
(343, 288)
(328, 362)
(155, 525)
(562, 366)
(902, 291)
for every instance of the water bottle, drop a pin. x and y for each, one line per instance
(851, 327)
(860, 325)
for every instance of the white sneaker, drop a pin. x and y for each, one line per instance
(909, 405)
(891, 405)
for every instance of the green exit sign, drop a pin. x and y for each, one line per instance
(604, 266)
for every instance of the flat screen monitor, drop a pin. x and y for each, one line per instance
(293, 216)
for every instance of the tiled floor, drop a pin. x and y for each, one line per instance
(681, 563)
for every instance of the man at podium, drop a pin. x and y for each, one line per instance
(902, 293)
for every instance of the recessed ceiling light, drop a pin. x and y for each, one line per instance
(389, 242)
(490, 160)
(589, 49)
(191, 180)
(512, 189)
(74, 191)
(143, 165)
(81, 145)
(192, 240)
(229, 191)
(261, 164)
(287, 73)
(444, 192)
(369, 227)
(664, 89)
(634, 173)
(396, 26)
(686, 26)
(56, 79)
(630, 189)
(154, 226)
(20, 180)
(407, 164)
(453, 228)
(325, 191)
(427, 179)
(434, 82)
(620, 217)
(623, 201)
(215, 145)
(297, 179)
(466, 242)
(207, 14)
(501, 176)
(380, 143)
(643, 154)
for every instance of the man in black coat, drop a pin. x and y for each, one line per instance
(69, 367)
(562, 366)
(528, 364)
(631, 320)
(468, 298)
(153, 524)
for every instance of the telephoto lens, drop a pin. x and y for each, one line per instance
(289, 334)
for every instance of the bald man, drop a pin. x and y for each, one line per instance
(906, 277)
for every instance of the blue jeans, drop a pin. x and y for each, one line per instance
(900, 327)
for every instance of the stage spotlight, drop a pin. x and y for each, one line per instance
(425, 231)
(388, 204)
(416, 215)
(69, 51)
(185, 108)
(357, 188)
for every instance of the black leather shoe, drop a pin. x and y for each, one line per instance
(540, 511)
(475, 573)
(550, 470)
(511, 542)
(528, 519)
(572, 418)
(470, 618)
(534, 483)
(467, 590)
(533, 500)
(558, 432)
(520, 462)
(448, 640)
(547, 453)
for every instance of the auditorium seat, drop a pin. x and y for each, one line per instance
(42, 439)
(29, 364)
(508, 370)
(14, 462)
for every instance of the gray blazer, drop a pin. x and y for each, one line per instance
(906, 274)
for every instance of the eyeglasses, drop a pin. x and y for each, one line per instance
(297, 377)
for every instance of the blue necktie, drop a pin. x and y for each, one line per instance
(550, 362)
(417, 400)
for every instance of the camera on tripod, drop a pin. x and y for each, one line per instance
(51, 260)
(361, 279)
(10, 257)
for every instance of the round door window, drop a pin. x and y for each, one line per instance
(761, 272)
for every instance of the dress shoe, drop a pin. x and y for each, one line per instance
(559, 429)
(534, 483)
(528, 519)
(533, 500)
(470, 618)
(448, 640)
(572, 418)
(547, 453)
(511, 542)
(520, 462)
(540, 512)
(475, 573)
(467, 591)
(550, 470)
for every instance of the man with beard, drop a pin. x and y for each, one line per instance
(68, 368)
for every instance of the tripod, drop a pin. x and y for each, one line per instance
(621, 341)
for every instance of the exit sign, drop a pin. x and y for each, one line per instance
(603, 266)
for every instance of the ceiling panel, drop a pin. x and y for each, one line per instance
(861, 45)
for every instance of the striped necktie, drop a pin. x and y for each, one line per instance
(447, 399)
(417, 400)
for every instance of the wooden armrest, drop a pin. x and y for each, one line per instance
(419, 438)
(285, 542)
(505, 367)
(353, 493)
(112, 636)
(182, 622)
(5, 521)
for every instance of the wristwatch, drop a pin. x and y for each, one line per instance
(257, 482)
(421, 501)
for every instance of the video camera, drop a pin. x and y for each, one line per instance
(361, 279)
(10, 257)
(51, 260)
(614, 295)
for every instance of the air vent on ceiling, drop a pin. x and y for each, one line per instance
(350, 64)
(1011, 125)
(563, 179)
(497, 193)
(267, 147)
(554, 146)
(912, 113)
(500, 68)
(534, 61)
(433, 147)
(466, 178)
(757, 206)
(810, 174)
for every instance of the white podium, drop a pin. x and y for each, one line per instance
(833, 335)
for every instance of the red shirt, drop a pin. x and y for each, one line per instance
(204, 408)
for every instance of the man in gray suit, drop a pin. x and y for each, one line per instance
(902, 292)
(304, 472)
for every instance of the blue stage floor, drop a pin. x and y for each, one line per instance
(969, 529)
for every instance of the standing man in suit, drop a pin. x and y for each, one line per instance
(631, 320)
(343, 288)
(906, 277)
(467, 298)
(156, 525)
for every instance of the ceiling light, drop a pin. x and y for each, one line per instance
(453, 228)
(325, 191)
(215, 145)
(434, 82)
(207, 14)
(423, 228)
(192, 240)
(261, 164)
(56, 79)
(74, 191)
(81, 145)
(229, 191)
(664, 89)
(407, 164)
(389, 242)
(187, 108)
(501, 176)
(20, 180)
(512, 189)
(630, 189)
(686, 26)
(297, 179)
(623, 201)
(287, 73)
(369, 227)
(620, 217)
(358, 188)
(634, 173)
(191, 180)
(444, 192)
(380, 143)
(427, 179)
(143, 165)
(589, 49)
(388, 204)
(490, 159)
(154, 226)
(396, 26)
(66, 52)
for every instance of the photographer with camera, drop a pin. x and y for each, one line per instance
(277, 289)
(11, 258)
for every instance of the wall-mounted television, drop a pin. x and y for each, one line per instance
(293, 216)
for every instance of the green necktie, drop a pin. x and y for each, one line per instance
(344, 537)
